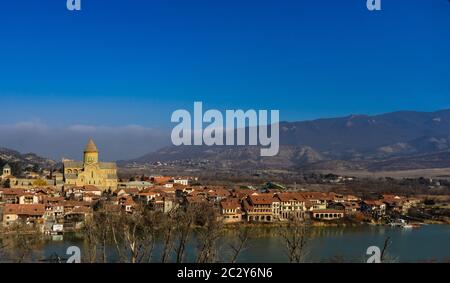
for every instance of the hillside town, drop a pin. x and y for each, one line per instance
(58, 202)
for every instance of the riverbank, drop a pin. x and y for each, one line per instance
(334, 224)
(325, 244)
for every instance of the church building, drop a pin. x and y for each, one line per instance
(90, 171)
(6, 173)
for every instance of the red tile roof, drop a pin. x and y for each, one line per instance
(232, 203)
(261, 199)
(285, 197)
(24, 209)
(316, 195)
(90, 188)
(81, 210)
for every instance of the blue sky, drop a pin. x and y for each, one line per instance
(120, 63)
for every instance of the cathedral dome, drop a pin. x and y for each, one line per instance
(91, 147)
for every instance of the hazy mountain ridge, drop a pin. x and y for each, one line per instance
(15, 158)
(234, 156)
(394, 141)
(362, 133)
(401, 140)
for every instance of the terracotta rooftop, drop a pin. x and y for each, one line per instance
(261, 199)
(316, 195)
(90, 188)
(81, 210)
(75, 203)
(285, 197)
(195, 199)
(218, 193)
(231, 204)
(24, 209)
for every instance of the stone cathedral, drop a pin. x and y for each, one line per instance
(90, 171)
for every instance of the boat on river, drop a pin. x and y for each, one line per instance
(403, 224)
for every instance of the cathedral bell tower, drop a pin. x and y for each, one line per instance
(6, 171)
(90, 153)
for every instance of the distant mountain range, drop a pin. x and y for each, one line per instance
(21, 161)
(394, 141)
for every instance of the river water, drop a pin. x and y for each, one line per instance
(342, 244)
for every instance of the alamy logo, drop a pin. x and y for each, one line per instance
(75, 254)
(233, 132)
(374, 5)
(375, 254)
(74, 5)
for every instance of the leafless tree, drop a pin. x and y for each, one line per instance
(240, 244)
(385, 257)
(103, 230)
(138, 235)
(385, 246)
(3, 245)
(25, 240)
(208, 236)
(184, 219)
(2, 251)
(168, 231)
(91, 235)
(295, 236)
(115, 221)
